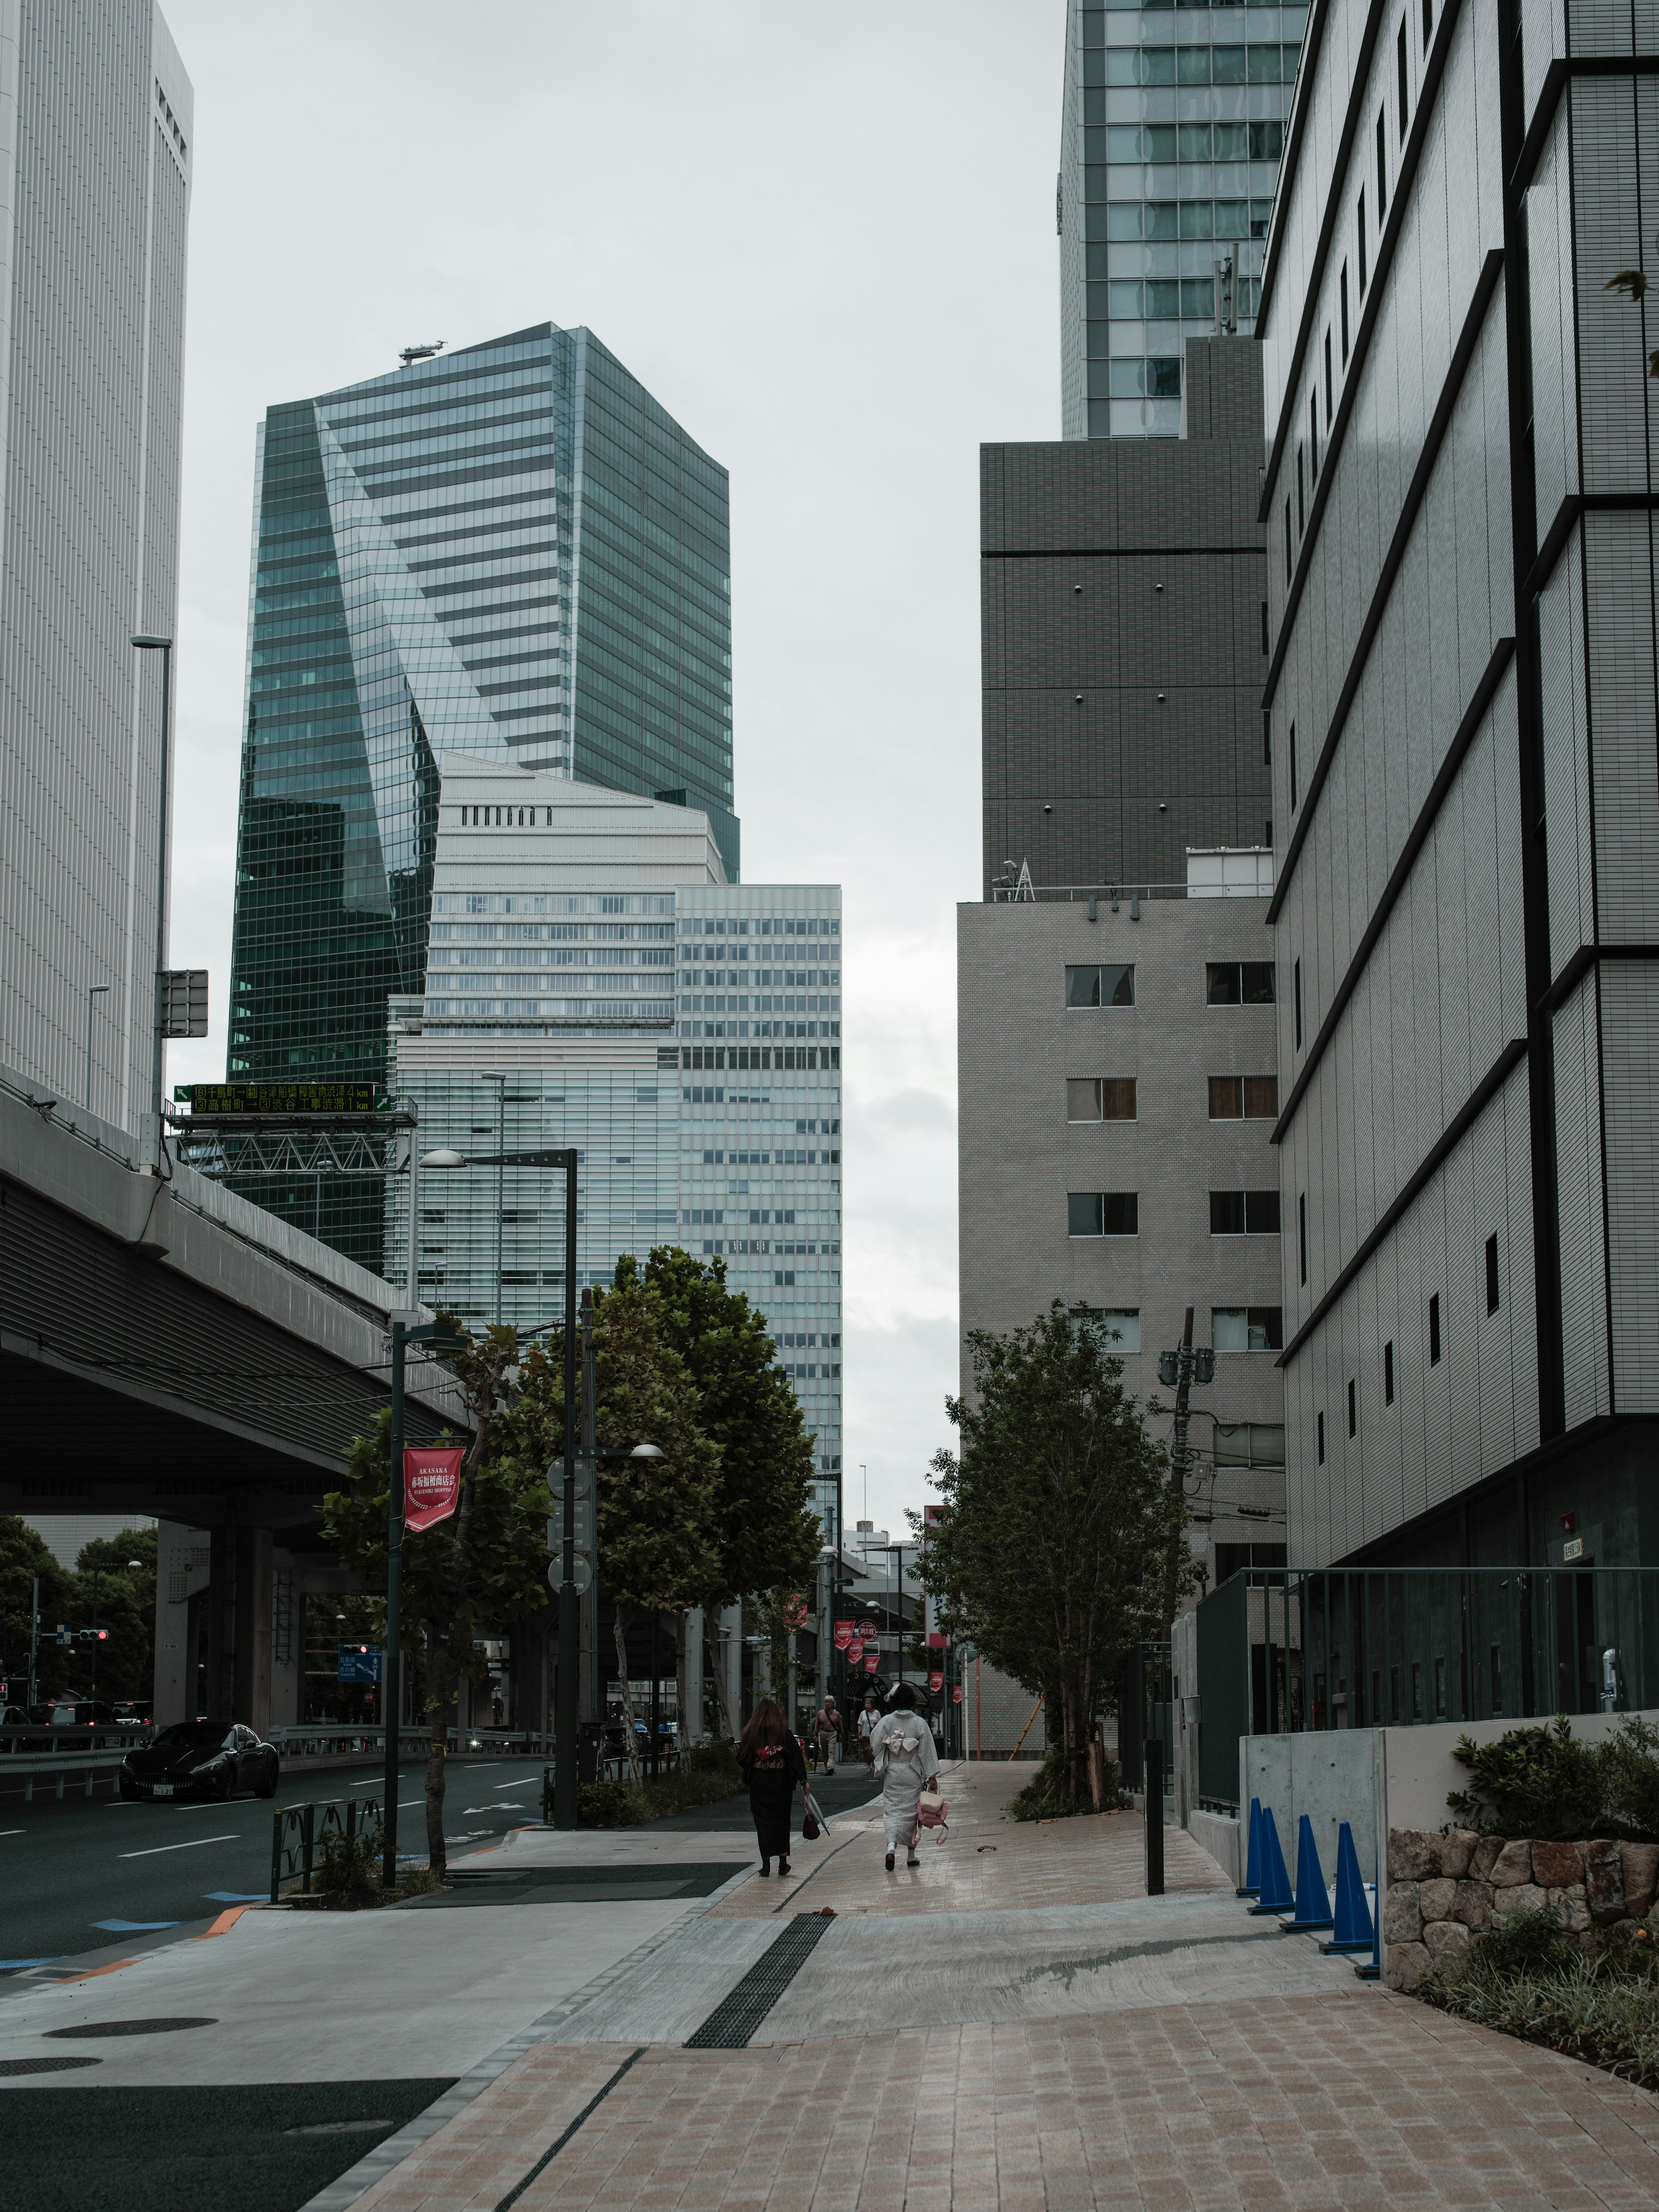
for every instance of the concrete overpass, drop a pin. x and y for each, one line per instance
(168, 1348)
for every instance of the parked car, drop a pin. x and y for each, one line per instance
(81, 1712)
(200, 1758)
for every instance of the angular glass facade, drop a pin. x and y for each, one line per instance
(1174, 123)
(512, 552)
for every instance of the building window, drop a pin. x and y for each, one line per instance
(1250, 1443)
(1319, 1432)
(1243, 1097)
(1267, 717)
(1294, 794)
(1102, 1213)
(1247, 1329)
(1100, 987)
(1363, 272)
(1400, 60)
(1289, 547)
(1243, 1213)
(1296, 1002)
(1266, 649)
(1238, 983)
(1313, 437)
(1434, 1330)
(1382, 163)
(1121, 1325)
(1329, 410)
(1491, 1274)
(1387, 1373)
(1354, 1406)
(1428, 23)
(1100, 1099)
(1301, 493)
(1302, 1233)
(1342, 294)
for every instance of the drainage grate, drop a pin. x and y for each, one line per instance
(130, 2028)
(43, 2065)
(735, 2019)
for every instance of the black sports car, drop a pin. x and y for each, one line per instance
(200, 1758)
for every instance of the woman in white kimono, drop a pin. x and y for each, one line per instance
(906, 1762)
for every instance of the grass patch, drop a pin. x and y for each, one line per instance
(1043, 1797)
(1531, 1980)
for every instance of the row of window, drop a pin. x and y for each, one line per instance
(1162, 299)
(1307, 456)
(1230, 221)
(1233, 1328)
(1117, 1214)
(1494, 1300)
(780, 979)
(1182, 142)
(1249, 64)
(1112, 1098)
(1226, 983)
(812, 925)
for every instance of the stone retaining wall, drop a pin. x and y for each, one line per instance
(1445, 1889)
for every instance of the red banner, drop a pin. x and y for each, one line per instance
(794, 1611)
(871, 1661)
(936, 1683)
(855, 1651)
(432, 1483)
(843, 1634)
(955, 1695)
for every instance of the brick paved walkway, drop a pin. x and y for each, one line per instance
(1343, 2096)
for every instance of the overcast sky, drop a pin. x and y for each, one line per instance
(824, 239)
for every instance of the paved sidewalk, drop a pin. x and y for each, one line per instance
(996, 2033)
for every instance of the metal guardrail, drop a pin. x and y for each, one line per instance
(296, 1835)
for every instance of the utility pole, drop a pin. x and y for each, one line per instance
(1183, 1367)
(34, 1639)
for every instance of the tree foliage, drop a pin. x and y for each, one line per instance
(1059, 1522)
(23, 1555)
(125, 1606)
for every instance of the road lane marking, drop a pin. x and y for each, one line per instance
(13, 1832)
(194, 1845)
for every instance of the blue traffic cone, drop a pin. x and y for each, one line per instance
(1275, 1874)
(1354, 1919)
(1372, 1969)
(1313, 1904)
(1251, 1885)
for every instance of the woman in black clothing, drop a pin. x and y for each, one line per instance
(774, 1766)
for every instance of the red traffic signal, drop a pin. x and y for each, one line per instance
(101, 1635)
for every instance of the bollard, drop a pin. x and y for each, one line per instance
(1252, 1883)
(1154, 1818)
(1313, 1904)
(1275, 1874)
(1353, 1919)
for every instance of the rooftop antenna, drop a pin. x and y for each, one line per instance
(420, 352)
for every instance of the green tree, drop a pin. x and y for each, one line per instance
(23, 1555)
(1059, 1519)
(655, 1517)
(469, 1576)
(125, 1606)
(766, 1535)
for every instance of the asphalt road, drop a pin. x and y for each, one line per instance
(79, 1875)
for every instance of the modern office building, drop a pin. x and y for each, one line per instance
(1116, 1031)
(594, 980)
(95, 153)
(1459, 504)
(1173, 125)
(511, 551)
(1122, 606)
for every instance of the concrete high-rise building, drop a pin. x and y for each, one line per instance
(1463, 693)
(95, 153)
(1173, 126)
(594, 980)
(1117, 1074)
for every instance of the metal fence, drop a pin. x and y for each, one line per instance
(298, 1835)
(1280, 1650)
(1143, 1714)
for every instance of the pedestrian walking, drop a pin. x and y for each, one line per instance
(906, 1758)
(828, 1728)
(868, 1720)
(774, 1766)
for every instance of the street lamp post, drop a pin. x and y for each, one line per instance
(145, 642)
(440, 1338)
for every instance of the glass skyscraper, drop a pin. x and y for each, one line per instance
(513, 550)
(1174, 123)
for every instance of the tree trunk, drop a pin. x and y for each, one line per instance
(620, 1624)
(711, 1638)
(1098, 1767)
